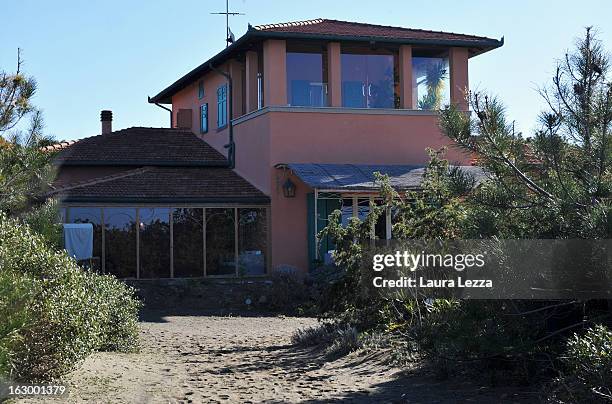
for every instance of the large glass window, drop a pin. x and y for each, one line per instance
(154, 242)
(120, 241)
(430, 86)
(252, 241)
(188, 244)
(368, 81)
(306, 81)
(93, 216)
(220, 241)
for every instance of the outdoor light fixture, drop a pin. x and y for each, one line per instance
(289, 189)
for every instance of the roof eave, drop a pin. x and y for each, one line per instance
(256, 200)
(140, 163)
(479, 43)
(165, 96)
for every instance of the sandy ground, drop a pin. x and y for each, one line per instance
(210, 358)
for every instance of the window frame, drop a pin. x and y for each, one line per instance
(222, 118)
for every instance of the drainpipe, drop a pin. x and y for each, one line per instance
(231, 146)
(161, 106)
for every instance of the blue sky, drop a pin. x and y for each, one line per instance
(93, 55)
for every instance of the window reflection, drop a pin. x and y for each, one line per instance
(220, 242)
(154, 242)
(188, 244)
(120, 241)
(368, 81)
(306, 83)
(252, 241)
(431, 88)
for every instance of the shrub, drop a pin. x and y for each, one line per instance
(321, 334)
(338, 339)
(589, 364)
(288, 292)
(63, 312)
(345, 340)
(43, 220)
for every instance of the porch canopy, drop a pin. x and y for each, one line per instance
(359, 178)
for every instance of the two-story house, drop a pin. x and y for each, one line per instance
(268, 137)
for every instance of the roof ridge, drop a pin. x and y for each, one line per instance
(66, 143)
(289, 24)
(106, 178)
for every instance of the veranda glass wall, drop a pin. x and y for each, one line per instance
(176, 242)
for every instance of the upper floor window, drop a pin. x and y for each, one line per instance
(200, 90)
(204, 118)
(430, 86)
(306, 81)
(222, 106)
(369, 80)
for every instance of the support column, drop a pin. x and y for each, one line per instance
(251, 81)
(275, 72)
(405, 77)
(458, 66)
(334, 75)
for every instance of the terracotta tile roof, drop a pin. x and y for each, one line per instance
(139, 146)
(165, 184)
(356, 29)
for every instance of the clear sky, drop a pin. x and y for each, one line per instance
(111, 54)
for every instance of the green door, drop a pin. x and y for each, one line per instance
(324, 208)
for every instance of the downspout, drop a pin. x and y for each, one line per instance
(231, 146)
(161, 106)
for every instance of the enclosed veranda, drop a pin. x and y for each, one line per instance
(150, 242)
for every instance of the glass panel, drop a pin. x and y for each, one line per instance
(220, 247)
(368, 81)
(354, 78)
(347, 210)
(305, 82)
(430, 87)
(380, 85)
(252, 241)
(363, 208)
(154, 242)
(93, 216)
(380, 228)
(204, 118)
(120, 241)
(61, 215)
(188, 242)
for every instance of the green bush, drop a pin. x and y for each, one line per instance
(61, 313)
(589, 364)
(43, 220)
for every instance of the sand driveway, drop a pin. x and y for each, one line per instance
(212, 358)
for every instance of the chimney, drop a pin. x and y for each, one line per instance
(106, 117)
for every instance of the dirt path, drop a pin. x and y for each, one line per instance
(247, 359)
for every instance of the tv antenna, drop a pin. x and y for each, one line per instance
(229, 35)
